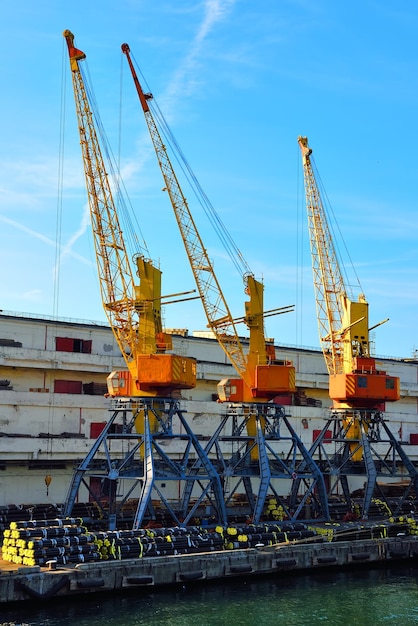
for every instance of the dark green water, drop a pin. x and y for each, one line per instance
(363, 598)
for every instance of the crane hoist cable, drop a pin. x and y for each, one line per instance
(224, 235)
(337, 237)
(128, 217)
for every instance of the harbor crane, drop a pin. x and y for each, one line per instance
(133, 310)
(261, 377)
(358, 387)
(145, 393)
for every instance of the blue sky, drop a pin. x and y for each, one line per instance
(238, 81)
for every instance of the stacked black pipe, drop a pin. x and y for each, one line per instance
(355, 531)
(35, 542)
(254, 535)
(130, 544)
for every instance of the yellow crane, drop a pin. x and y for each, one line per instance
(133, 310)
(358, 388)
(261, 376)
(355, 380)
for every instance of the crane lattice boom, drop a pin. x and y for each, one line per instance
(115, 276)
(327, 277)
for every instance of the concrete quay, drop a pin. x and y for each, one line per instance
(24, 583)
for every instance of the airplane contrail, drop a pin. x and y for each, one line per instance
(41, 237)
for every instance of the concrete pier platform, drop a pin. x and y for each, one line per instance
(25, 583)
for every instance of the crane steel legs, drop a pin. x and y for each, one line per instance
(375, 456)
(128, 461)
(252, 468)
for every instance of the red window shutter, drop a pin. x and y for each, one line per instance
(327, 436)
(67, 386)
(64, 344)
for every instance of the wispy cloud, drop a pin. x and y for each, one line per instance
(27, 184)
(185, 79)
(33, 295)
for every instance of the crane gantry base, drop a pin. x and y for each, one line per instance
(266, 465)
(383, 461)
(128, 464)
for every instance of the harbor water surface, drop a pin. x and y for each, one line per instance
(359, 597)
